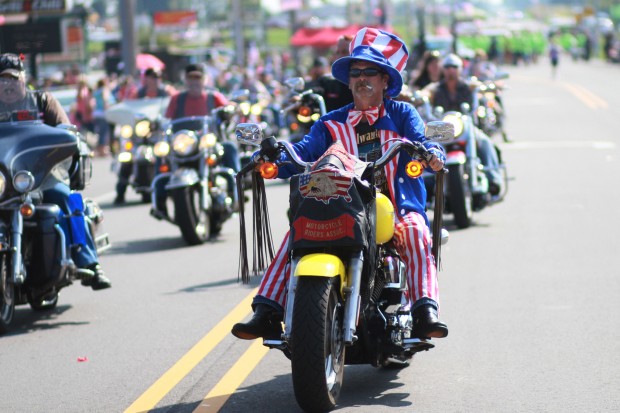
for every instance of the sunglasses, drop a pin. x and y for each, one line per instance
(451, 67)
(368, 72)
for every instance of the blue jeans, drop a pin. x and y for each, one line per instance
(231, 156)
(85, 255)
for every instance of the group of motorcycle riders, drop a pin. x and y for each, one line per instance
(366, 106)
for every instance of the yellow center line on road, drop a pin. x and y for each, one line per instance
(587, 97)
(149, 399)
(222, 391)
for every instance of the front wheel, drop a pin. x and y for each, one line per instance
(189, 215)
(461, 202)
(7, 296)
(317, 359)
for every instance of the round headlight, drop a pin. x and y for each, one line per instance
(208, 141)
(143, 128)
(23, 181)
(245, 108)
(184, 142)
(2, 183)
(256, 109)
(457, 121)
(161, 149)
(126, 131)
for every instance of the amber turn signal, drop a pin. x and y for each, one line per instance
(27, 210)
(268, 170)
(304, 111)
(414, 169)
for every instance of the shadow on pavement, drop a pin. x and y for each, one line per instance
(147, 245)
(26, 320)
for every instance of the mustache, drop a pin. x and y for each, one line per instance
(363, 85)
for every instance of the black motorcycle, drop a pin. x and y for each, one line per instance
(191, 176)
(305, 109)
(35, 253)
(347, 300)
(473, 183)
(136, 160)
(137, 129)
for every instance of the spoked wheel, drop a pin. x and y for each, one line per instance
(193, 221)
(7, 296)
(317, 348)
(461, 201)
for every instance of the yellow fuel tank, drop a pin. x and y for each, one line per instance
(385, 219)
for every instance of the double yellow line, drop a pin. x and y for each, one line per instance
(216, 398)
(588, 98)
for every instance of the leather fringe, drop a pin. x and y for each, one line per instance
(262, 242)
(438, 217)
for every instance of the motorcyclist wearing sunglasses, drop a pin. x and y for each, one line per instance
(450, 93)
(372, 72)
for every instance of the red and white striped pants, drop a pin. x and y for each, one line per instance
(413, 242)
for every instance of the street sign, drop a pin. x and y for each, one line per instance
(34, 6)
(31, 38)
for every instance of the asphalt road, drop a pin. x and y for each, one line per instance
(530, 294)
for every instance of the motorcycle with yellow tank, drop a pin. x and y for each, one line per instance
(347, 299)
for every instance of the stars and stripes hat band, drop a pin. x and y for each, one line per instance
(379, 47)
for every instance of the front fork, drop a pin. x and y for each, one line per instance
(351, 298)
(17, 229)
(19, 271)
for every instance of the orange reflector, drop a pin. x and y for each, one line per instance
(294, 126)
(128, 145)
(414, 169)
(27, 210)
(164, 168)
(268, 170)
(211, 160)
(305, 111)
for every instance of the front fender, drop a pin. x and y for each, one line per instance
(183, 177)
(322, 265)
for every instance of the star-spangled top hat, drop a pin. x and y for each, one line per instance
(379, 47)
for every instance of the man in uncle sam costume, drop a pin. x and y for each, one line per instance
(372, 72)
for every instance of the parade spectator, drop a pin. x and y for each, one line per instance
(103, 100)
(430, 72)
(152, 86)
(84, 107)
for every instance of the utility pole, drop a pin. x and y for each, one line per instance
(237, 16)
(129, 44)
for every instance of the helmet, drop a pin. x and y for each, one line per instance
(452, 60)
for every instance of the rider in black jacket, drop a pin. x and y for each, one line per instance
(13, 91)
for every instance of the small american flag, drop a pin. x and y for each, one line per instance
(324, 185)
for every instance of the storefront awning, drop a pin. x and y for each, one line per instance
(324, 37)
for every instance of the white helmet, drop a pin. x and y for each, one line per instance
(452, 60)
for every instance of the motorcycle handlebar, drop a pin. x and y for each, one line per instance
(270, 148)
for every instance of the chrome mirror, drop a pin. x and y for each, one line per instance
(439, 131)
(465, 108)
(296, 83)
(250, 133)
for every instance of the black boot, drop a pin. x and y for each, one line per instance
(426, 324)
(265, 323)
(97, 281)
